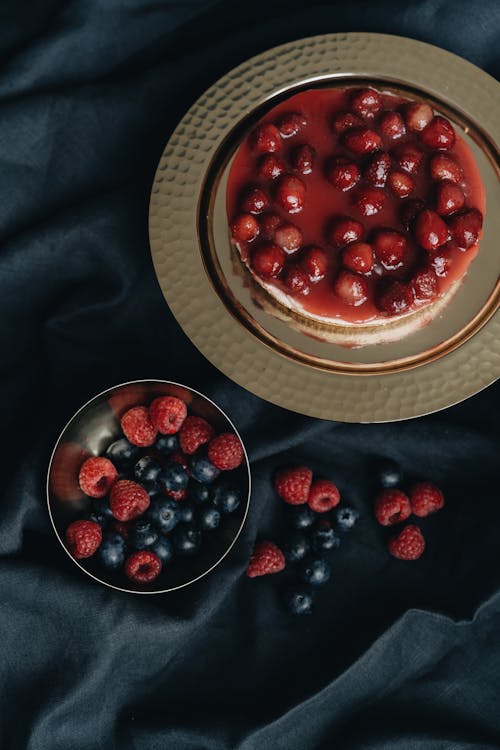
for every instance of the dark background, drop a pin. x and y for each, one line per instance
(397, 655)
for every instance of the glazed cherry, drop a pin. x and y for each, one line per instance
(369, 201)
(439, 134)
(342, 173)
(366, 102)
(268, 260)
(254, 201)
(351, 288)
(409, 210)
(268, 224)
(400, 183)
(302, 159)
(408, 156)
(377, 169)
(466, 227)
(291, 193)
(430, 230)
(345, 121)
(297, 280)
(244, 228)
(449, 198)
(270, 167)
(362, 141)
(344, 230)
(417, 116)
(389, 247)
(315, 263)
(358, 257)
(424, 285)
(392, 126)
(289, 237)
(291, 123)
(444, 167)
(266, 139)
(441, 262)
(394, 298)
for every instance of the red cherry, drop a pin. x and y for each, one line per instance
(389, 247)
(409, 210)
(430, 230)
(344, 230)
(342, 173)
(417, 116)
(297, 281)
(244, 228)
(439, 134)
(289, 237)
(395, 298)
(345, 121)
(315, 263)
(408, 157)
(377, 169)
(362, 141)
(400, 183)
(366, 102)
(268, 224)
(466, 227)
(391, 126)
(351, 288)
(266, 139)
(444, 167)
(270, 167)
(254, 201)
(268, 260)
(449, 198)
(424, 285)
(291, 193)
(358, 257)
(291, 124)
(302, 159)
(441, 262)
(369, 201)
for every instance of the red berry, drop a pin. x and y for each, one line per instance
(417, 116)
(439, 134)
(409, 211)
(177, 495)
(128, 500)
(121, 528)
(425, 499)
(97, 476)
(138, 427)
(362, 141)
(392, 126)
(291, 124)
(180, 458)
(358, 257)
(254, 201)
(400, 183)
(244, 228)
(466, 227)
(289, 237)
(345, 121)
(366, 102)
(351, 288)
(369, 201)
(430, 230)
(409, 157)
(424, 285)
(444, 167)
(392, 506)
(377, 169)
(302, 159)
(195, 432)
(293, 484)
(225, 451)
(449, 198)
(389, 247)
(268, 224)
(268, 260)
(345, 230)
(266, 139)
(143, 566)
(297, 280)
(270, 167)
(83, 538)
(408, 544)
(315, 263)
(323, 496)
(266, 558)
(291, 193)
(342, 173)
(396, 298)
(168, 414)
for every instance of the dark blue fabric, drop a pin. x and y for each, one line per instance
(397, 656)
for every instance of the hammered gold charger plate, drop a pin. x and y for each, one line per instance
(452, 358)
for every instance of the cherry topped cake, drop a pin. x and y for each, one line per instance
(355, 213)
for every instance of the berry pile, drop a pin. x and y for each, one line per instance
(156, 490)
(316, 523)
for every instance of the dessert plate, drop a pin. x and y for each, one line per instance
(452, 358)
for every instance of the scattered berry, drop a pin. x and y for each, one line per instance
(128, 500)
(296, 548)
(324, 537)
(409, 544)
(302, 159)
(186, 513)
(112, 550)
(203, 470)
(226, 451)
(97, 476)
(291, 124)
(351, 288)
(168, 414)
(138, 427)
(268, 260)
(244, 228)
(366, 102)
(300, 601)
(323, 496)
(425, 499)
(392, 506)
(358, 257)
(346, 518)
(315, 571)
(302, 518)
(293, 484)
(266, 558)
(83, 538)
(143, 567)
(439, 134)
(194, 433)
(100, 506)
(266, 139)
(268, 224)
(344, 230)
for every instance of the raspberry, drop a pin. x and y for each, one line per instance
(168, 414)
(293, 485)
(266, 558)
(425, 498)
(128, 500)
(83, 538)
(323, 496)
(177, 495)
(122, 529)
(225, 451)
(194, 432)
(143, 567)
(392, 506)
(97, 476)
(408, 544)
(138, 427)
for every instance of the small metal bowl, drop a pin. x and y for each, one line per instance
(94, 426)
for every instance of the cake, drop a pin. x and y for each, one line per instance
(354, 213)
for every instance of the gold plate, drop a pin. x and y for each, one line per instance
(452, 358)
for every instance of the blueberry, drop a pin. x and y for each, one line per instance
(99, 518)
(389, 474)
(346, 518)
(199, 493)
(100, 506)
(315, 571)
(226, 497)
(167, 444)
(302, 517)
(202, 470)
(164, 548)
(142, 535)
(300, 601)
(112, 550)
(296, 548)
(324, 537)
(187, 539)
(164, 513)
(147, 469)
(173, 477)
(152, 488)
(209, 517)
(122, 452)
(185, 512)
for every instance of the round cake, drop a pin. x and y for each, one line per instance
(355, 213)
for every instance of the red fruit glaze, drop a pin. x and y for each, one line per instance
(449, 198)
(314, 262)
(268, 260)
(417, 116)
(97, 476)
(362, 141)
(366, 102)
(254, 201)
(439, 134)
(302, 159)
(167, 414)
(409, 544)
(244, 228)
(430, 230)
(391, 126)
(342, 173)
(351, 288)
(344, 230)
(270, 167)
(138, 428)
(291, 193)
(289, 237)
(266, 139)
(358, 257)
